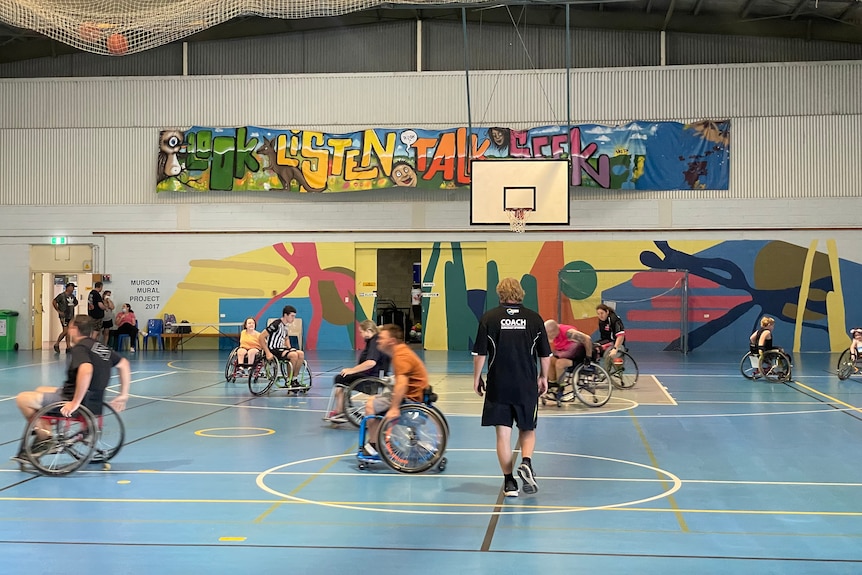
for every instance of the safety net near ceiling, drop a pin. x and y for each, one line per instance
(122, 27)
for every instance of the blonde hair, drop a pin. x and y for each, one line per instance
(368, 325)
(551, 326)
(766, 320)
(509, 290)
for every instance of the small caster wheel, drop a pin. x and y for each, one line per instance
(559, 403)
(362, 467)
(441, 465)
(544, 401)
(106, 466)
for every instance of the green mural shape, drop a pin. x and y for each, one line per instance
(531, 292)
(581, 284)
(460, 319)
(493, 278)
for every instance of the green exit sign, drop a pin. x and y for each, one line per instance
(58, 241)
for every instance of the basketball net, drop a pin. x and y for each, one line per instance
(518, 219)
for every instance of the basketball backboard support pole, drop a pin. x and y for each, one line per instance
(541, 186)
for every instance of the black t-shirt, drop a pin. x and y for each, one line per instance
(373, 353)
(610, 328)
(103, 359)
(66, 305)
(513, 337)
(767, 343)
(94, 299)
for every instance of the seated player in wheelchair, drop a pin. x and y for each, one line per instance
(249, 345)
(612, 334)
(87, 377)
(275, 341)
(411, 379)
(855, 345)
(761, 340)
(372, 362)
(569, 347)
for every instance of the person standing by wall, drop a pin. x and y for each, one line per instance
(513, 337)
(64, 304)
(108, 320)
(96, 309)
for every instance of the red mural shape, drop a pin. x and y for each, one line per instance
(327, 290)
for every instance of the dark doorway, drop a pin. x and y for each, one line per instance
(395, 284)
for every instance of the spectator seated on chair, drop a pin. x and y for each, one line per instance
(127, 325)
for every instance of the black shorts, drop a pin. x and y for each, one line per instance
(107, 324)
(506, 413)
(282, 351)
(64, 321)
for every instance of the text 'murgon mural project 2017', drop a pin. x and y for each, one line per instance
(635, 156)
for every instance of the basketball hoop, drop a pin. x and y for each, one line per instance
(518, 219)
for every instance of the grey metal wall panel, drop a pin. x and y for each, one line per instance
(281, 54)
(161, 61)
(515, 98)
(701, 49)
(385, 47)
(502, 47)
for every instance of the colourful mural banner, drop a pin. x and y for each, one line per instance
(635, 156)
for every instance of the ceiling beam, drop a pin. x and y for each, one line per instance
(697, 5)
(668, 14)
(849, 9)
(746, 8)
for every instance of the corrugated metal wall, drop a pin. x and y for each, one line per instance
(502, 47)
(702, 49)
(389, 47)
(88, 136)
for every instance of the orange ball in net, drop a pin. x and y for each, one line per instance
(117, 44)
(89, 32)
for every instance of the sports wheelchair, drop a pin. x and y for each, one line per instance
(73, 441)
(848, 367)
(278, 372)
(354, 395)
(410, 443)
(233, 367)
(587, 380)
(772, 365)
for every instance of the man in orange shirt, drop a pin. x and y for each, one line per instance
(411, 379)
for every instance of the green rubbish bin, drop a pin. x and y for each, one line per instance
(8, 323)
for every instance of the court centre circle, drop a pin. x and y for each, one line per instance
(261, 431)
(675, 485)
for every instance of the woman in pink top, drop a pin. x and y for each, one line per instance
(126, 323)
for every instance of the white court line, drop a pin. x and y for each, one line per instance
(663, 389)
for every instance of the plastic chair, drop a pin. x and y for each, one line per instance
(125, 338)
(155, 329)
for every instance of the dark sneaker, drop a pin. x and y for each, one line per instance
(526, 474)
(56, 348)
(510, 487)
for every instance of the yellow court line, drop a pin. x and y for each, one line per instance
(829, 397)
(461, 505)
(804, 289)
(654, 461)
(302, 485)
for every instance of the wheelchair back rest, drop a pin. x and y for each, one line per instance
(429, 396)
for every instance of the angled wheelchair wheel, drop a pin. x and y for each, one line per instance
(415, 441)
(842, 359)
(774, 366)
(592, 385)
(303, 379)
(112, 433)
(230, 366)
(261, 376)
(749, 369)
(357, 394)
(623, 375)
(70, 442)
(846, 370)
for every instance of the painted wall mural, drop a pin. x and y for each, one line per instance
(636, 156)
(731, 284)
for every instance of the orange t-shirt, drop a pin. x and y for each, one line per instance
(405, 362)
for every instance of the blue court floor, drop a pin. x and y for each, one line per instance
(696, 470)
